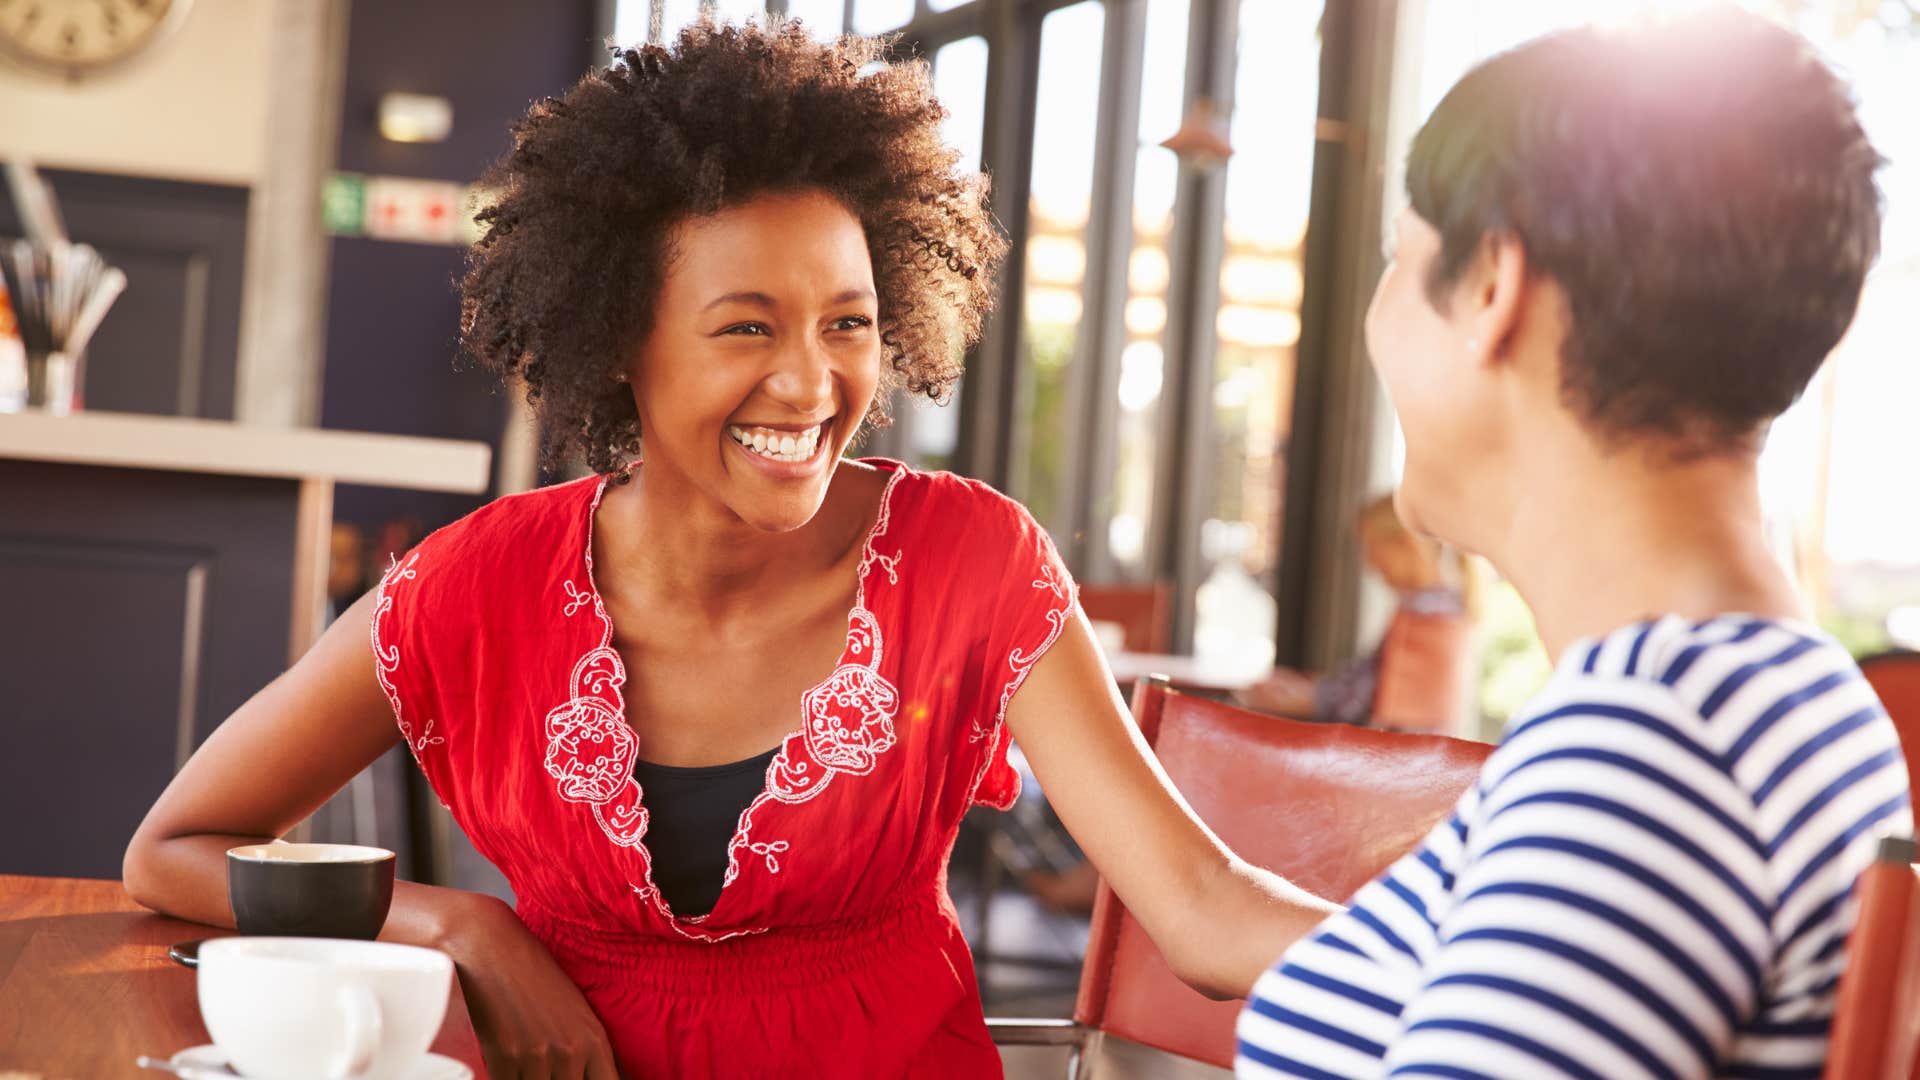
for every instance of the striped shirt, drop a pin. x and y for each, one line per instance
(1653, 877)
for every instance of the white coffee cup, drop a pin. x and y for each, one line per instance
(285, 1008)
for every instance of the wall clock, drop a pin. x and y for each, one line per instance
(84, 37)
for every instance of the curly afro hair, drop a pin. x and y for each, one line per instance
(559, 290)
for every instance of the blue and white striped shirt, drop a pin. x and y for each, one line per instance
(1653, 877)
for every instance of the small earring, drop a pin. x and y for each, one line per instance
(620, 377)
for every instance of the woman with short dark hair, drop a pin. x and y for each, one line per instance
(1627, 252)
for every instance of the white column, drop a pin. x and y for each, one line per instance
(283, 305)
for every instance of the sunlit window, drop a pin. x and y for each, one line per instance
(822, 16)
(1269, 178)
(1833, 470)
(960, 82)
(879, 16)
(1056, 260)
(1143, 359)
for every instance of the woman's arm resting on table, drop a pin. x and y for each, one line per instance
(1219, 921)
(274, 762)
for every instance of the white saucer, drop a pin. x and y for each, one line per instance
(431, 1067)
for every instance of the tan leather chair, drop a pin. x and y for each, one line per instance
(1327, 806)
(1144, 613)
(1876, 1020)
(1895, 676)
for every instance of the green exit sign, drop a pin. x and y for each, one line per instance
(343, 204)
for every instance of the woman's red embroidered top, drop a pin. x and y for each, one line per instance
(833, 949)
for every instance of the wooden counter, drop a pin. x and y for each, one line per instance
(154, 573)
(177, 444)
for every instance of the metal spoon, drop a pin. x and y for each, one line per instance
(187, 1072)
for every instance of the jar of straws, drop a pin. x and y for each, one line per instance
(60, 294)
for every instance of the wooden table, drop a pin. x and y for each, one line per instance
(86, 985)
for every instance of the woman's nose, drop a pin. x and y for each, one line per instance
(802, 376)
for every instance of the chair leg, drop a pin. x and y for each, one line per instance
(990, 875)
(1081, 1057)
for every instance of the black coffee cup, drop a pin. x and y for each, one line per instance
(310, 890)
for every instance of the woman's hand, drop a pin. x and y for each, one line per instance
(1284, 691)
(1217, 920)
(274, 762)
(533, 1022)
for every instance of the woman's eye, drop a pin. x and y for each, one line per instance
(747, 329)
(852, 322)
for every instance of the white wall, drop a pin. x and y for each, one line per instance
(192, 107)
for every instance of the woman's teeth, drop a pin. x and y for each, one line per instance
(779, 445)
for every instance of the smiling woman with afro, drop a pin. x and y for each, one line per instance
(716, 711)
(562, 286)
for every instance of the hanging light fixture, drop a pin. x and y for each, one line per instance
(415, 118)
(1202, 139)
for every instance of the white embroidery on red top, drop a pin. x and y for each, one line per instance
(386, 659)
(768, 851)
(846, 724)
(590, 748)
(576, 599)
(846, 720)
(1021, 662)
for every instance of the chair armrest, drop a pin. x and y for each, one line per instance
(1012, 1031)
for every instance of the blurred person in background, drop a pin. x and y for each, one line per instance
(1420, 676)
(347, 570)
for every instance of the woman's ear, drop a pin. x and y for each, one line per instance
(1491, 295)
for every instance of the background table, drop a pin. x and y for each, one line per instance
(1186, 672)
(86, 985)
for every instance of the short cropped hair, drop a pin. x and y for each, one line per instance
(1701, 189)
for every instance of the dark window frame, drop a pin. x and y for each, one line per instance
(1315, 574)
